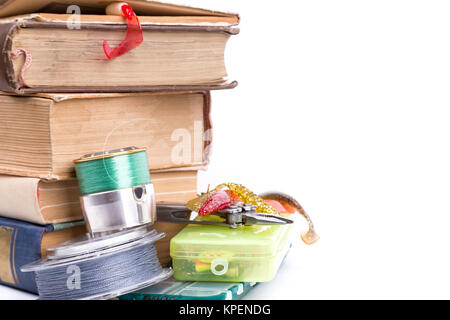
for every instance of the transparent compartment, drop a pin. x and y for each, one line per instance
(213, 253)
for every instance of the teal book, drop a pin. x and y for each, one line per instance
(22, 242)
(178, 290)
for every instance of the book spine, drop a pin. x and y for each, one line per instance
(20, 244)
(7, 30)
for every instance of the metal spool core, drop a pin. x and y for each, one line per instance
(119, 209)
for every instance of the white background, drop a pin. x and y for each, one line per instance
(344, 105)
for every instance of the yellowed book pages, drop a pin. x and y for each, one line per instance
(177, 58)
(66, 55)
(41, 202)
(41, 136)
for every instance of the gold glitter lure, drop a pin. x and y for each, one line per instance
(248, 196)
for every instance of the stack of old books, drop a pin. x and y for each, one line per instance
(62, 98)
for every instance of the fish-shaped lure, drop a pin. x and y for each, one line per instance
(218, 199)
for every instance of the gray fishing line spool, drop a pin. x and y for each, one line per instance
(100, 267)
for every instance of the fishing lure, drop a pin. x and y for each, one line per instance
(279, 207)
(239, 191)
(216, 202)
(218, 199)
(292, 205)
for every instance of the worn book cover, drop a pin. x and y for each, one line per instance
(51, 50)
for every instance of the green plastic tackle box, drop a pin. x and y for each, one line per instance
(181, 290)
(214, 253)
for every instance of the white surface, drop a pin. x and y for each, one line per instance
(7, 293)
(346, 106)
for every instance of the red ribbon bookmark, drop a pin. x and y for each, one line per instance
(133, 38)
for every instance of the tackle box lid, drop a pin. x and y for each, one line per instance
(257, 241)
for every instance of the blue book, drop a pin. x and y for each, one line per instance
(23, 242)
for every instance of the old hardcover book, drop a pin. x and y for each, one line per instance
(182, 50)
(42, 135)
(52, 202)
(22, 242)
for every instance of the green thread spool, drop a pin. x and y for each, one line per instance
(112, 170)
